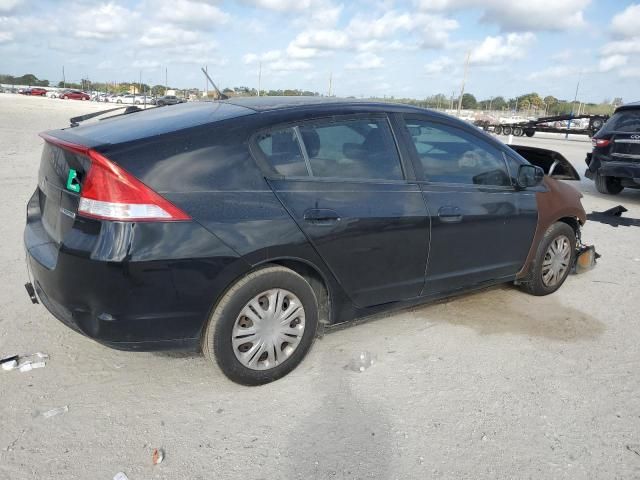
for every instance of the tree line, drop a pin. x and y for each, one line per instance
(530, 103)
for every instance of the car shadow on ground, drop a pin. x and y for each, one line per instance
(504, 309)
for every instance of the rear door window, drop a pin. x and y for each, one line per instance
(451, 155)
(352, 149)
(283, 152)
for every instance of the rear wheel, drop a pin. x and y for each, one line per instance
(498, 130)
(608, 185)
(553, 261)
(529, 133)
(506, 130)
(518, 132)
(263, 326)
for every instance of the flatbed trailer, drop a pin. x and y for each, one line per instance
(544, 124)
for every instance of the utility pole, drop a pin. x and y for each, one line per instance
(464, 80)
(330, 83)
(166, 82)
(64, 80)
(259, 77)
(490, 103)
(206, 82)
(575, 98)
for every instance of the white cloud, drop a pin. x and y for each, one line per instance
(559, 71)
(625, 24)
(9, 5)
(611, 63)
(191, 13)
(270, 56)
(519, 15)
(162, 36)
(631, 45)
(285, 6)
(105, 21)
(433, 29)
(438, 66)
(288, 65)
(366, 61)
(497, 49)
(6, 37)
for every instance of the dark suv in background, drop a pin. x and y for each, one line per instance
(614, 162)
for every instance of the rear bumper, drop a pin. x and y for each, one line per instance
(130, 286)
(613, 168)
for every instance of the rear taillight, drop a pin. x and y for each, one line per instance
(111, 193)
(600, 142)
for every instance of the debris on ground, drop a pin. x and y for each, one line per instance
(634, 449)
(361, 362)
(24, 363)
(55, 411)
(614, 217)
(120, 476)
(158, 456)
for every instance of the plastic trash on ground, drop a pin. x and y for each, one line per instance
(24, 363)
(158, 456)
(55, 411)
(361, 362)
(120, 476)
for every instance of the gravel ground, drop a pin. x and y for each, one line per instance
(497, 384)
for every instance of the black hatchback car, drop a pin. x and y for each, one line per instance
(242, 226)
(614, 162)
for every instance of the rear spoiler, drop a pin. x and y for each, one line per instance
(553, 163)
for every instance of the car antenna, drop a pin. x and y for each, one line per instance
(221, 96)
(75, 121)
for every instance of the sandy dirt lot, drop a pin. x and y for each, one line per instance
(497, 384)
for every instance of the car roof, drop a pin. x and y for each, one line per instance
(629, 106)
(268, 103)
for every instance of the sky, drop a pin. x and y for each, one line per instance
(410, 48)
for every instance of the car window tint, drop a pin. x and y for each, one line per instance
(352, 149)
(283, 152)
(451, 155)
(625, 121)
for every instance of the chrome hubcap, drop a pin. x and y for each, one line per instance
(268, 329)
(556, 261)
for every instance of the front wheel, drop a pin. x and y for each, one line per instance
(608, 185)
(553, 261)
(263, 326)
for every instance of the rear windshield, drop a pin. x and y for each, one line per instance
(625, 121)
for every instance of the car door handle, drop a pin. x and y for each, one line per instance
(321, 216)
(450, 214)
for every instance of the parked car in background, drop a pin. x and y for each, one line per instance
(279, 215)
(53, 94)
(169, 100)
(74, 95)
(614, 162)
(35, 91)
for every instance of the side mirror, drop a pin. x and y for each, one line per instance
(529, 176)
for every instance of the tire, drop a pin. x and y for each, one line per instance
(498, 130)
(118, 101)
(64, 97)
(506, 130)
(227, 322)
(536, 282)
(608, 185)
(529, 133)
(518, 131)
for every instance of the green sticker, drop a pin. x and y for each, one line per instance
(72, 181)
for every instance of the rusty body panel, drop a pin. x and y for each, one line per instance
(559, 201)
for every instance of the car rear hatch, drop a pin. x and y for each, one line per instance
(619, 138)
(59, 179)
(625, 146)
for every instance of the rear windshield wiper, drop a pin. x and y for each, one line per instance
(75, 121)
